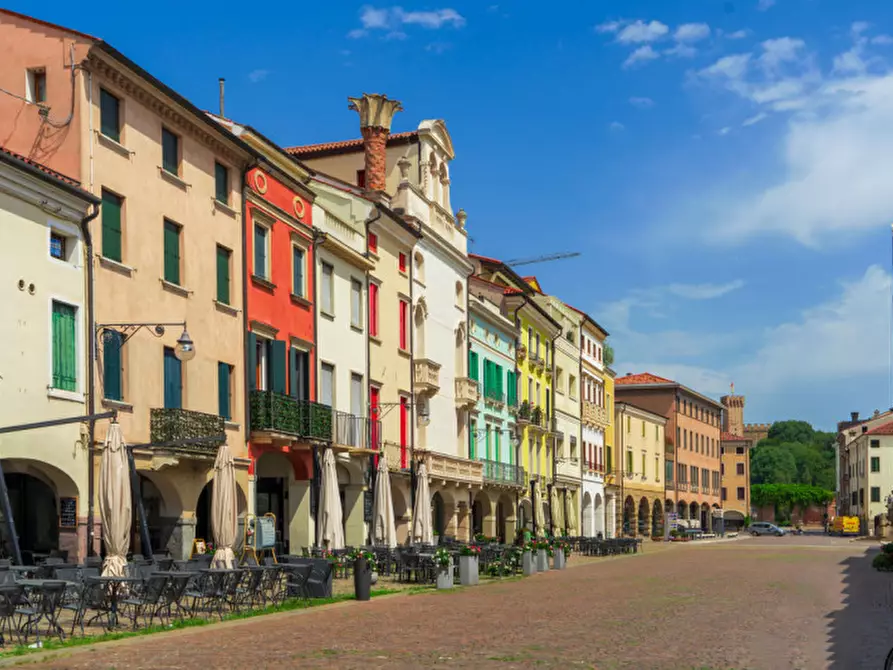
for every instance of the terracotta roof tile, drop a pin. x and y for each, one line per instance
(324, 147)
(485, 258)
(731, 437)
(43, 168)
(641, 378)
(885, 429)
(512, 291)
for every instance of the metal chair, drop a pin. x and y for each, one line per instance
(146, 604)
(47, 607)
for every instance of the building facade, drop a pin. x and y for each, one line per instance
(693, 479)
(870, 470)
(170, 183)
(735, 467)
(640, 470)
(612, 490)
(847, 433)
(45, 360)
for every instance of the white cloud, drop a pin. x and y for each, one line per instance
(724, 131)
(639, 31)
(737, 35)
(682, 50)
(850, 61)
(763, 5)
(781, 50)
(438, 47)
(641, 103)
(608, 27)
(616, 126)
(691, 32)
(755, 119)
(641, 55)
(730, 67)
(256, 76)
(392, 19)
(884, 40)
(704, 291)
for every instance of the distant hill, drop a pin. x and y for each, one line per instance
(794, 453)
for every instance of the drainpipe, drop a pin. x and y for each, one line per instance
(317, 238)
(414, 408)
(91, 376)
(622, 470)
(370, 465)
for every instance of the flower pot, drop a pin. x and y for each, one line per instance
(559, 562)
(468, 570)
(542, 560)
(362, 579)
(528, 565)
(445, 577)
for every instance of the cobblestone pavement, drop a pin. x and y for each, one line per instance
(792, 602)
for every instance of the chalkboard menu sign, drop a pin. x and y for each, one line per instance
(367, 505)
(265, 533)
(68, 512)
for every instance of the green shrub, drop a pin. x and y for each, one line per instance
(887, 548)
(883, 562)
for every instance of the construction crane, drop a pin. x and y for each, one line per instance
(541, 259)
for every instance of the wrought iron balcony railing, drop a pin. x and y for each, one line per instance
(281, 413)
(503, 473)
(171, 425)
(494, 395)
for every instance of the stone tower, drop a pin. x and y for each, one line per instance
(733, 417)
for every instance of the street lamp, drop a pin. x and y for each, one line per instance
(184, 350)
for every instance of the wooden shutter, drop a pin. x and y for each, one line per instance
(223, 256)
(252, 361)
(170, 152)
(260, 251)
(171, 252)
(173, 380)
(297, 277)
(373, 309)
(112, 365)
(403, 309)
(223, 386)
(497, 373)
(111, 226)
(473, 372)
(221, 183)
(277, 365)
(64, 347)
(109, 115)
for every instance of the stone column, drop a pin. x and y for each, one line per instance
(298, 523)
(354, 523)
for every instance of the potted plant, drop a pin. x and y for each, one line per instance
(657, 537)
(444, 564)
(364, 564)
(528, 564)
(469, 555)
(543, 551)
(560, 551)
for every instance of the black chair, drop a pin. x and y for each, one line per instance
(12, 596)
(297, 578)
(46, 606)
(174, 594)
(205, 591)
(251, 592)
(93, 597)
(148, 602)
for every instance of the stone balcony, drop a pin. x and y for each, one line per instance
(451, 468)
(595, 415)
(468, 391)
(426, 375)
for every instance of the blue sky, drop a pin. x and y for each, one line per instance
(725, 169)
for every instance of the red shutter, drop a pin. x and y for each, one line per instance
(373, 310)
(404, 425)
(402, 262)
(361, 178)
(403, 314)
(374, 414)
(373, 243)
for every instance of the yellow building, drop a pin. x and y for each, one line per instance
(612, 490)
(640, 470)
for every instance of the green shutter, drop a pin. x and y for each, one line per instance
(64, 347)
(223, 256)
(170, 151)
(497, 372)
(252, 361)
(260, 251)
(496, 436)
(173, 380)
(277, 365)
(297, 280)
(221, 183)
(473, 366)
(109, 115)
(171, 252)
(472, 441)
(111, 365)
(223, 386)
(111, 226)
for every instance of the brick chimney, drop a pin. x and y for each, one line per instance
(376, 113)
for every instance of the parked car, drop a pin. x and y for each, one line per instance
(765, 528)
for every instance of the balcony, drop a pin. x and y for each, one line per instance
(355, 432)
(670, 486)
(595, 415)
(538, 419)
(426, 375)
(170, 425)
(505, 474)
(524, 414)
(693, 488)
(451, 468)
(279, 413)
(521, 352)
(468, 391)
(537, 363)
(682, 486)
(397, 457)
(494, 396)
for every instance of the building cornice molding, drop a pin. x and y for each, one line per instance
(54, 201)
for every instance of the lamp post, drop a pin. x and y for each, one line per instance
(184, 350)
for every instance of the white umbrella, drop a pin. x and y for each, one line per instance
(384, 530)
(557, 507)
(330, 531)
(115, 502)
(571, 517)
(540, 514)
(224, 515)
(421, 515)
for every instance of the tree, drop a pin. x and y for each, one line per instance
(772, 464)
(791, 431)
(812, 453)
(609, 354)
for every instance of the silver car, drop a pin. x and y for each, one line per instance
(765, 528)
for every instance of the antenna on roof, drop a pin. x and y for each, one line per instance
(220, 82)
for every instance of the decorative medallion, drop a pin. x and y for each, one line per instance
(298, 206)
(260, 182)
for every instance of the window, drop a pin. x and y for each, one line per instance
(404, 325)
(299, 374)
(739, 468)
(328, 289)
(875, 494)
(643, 428)
(460, 295)
(724, 493)
(36, 85)
(572, 386)
(875, 444)
(261, 358)
(327, 384)
(668, 471)
(530, 391)
(57, 246)
(373, 309)
(224, 256)
(111, 225)
(170, 152)
(173, 380)
(644, 463)
(472, 440)
(171, 252)
(722, 468)
(474, 366)
(529, 341)
(537, 350)
(356, 303)
(401, 262)
(657, 468)
(372, 243)
(224, 390)
(861, 496)
(629, 424)
(221, 183)
(629, 462)
(261, 236)
(512, 388)
(875, 463)
(361, 178)
(109, 115)
(112, 365)
(739, 451)
(297, 271)
(357, 407)
(740, 493)
(64, 330)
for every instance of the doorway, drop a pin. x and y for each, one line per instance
(270, 498)
(36, 519)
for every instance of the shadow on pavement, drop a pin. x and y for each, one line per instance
(861, 633)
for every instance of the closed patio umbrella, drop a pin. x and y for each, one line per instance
(571, 517)
(422, 531)
(384, 530)
(540, 514)
(557, 507)
(330, 530)
(224, 512)
(115, 502)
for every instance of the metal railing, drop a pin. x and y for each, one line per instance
(494, 394)
(167, 424)
(503, 473)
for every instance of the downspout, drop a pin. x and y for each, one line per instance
(370, 465)
(413, 413)
(622, 458)
(318, 237)
(531, 481)
(91, 376)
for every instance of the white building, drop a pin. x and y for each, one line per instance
(871, 476)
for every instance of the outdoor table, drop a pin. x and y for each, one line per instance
(114, 587)
(24, 569)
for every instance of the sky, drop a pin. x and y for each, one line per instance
(724, 169)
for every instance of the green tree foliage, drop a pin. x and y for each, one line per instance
(609, 354)
(794, 453)
(787, 495)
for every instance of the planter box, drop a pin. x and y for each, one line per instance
(362, 579)
(445, 577)
(468, 570)
(528, 565)
(559, 562)
(542, 560)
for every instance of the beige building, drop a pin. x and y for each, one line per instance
(43, 363)
(169, 234)
(870, 476)
(735, 466)
(640, 468)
